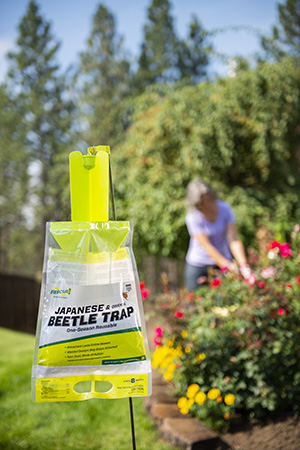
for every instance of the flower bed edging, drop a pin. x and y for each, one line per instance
(183, 431)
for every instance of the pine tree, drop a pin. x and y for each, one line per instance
(285, 38)
(158, 58)
(41, 91)
(13, 179)
(103, 79)
(193, 53)
(166, 58)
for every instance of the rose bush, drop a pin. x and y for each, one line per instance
(239, 336)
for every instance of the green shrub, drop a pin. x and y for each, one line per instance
(241, 337)
(240, 134)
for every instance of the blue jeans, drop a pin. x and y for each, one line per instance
(192, 273)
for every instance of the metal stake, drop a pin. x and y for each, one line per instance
(115, 218)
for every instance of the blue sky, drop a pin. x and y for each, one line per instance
(71, 23)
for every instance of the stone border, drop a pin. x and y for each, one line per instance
(183, 431)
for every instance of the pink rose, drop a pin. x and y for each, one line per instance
(285, 250)
(145, 292)
(158, 332)
(267, 272)
(157, 342)
(261, 283)
(252, 279)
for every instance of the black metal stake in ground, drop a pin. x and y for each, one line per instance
(112, 196)
(132, 423)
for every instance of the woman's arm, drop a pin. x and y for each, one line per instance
(221, 261)
(236, 245)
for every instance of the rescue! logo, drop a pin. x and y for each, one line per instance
(63, 292)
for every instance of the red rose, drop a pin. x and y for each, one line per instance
(273, 244)
(215, 283)
(261, 283)
(179, 314)
(281, 312)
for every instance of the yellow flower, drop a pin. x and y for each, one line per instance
(184, 334)
(169, 342)
(182, 402)
(168, 376)
(178, 352)
(184, 410)
(192, 390)
(200, 398)
(229, 399)
(161, 354)
(200, 357)
(191, 401)
(219, 399)
(171, 367)
(213, 394)
(187, 350)
(226, 416)
(166, 362)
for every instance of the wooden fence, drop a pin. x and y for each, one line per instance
(152, 267)
(19, 299)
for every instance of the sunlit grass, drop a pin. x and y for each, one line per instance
(89, 425)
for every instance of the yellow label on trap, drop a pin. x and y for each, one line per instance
(84, 387)
(115, 347)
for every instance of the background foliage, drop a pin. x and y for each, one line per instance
(167, 123)
(239, 134)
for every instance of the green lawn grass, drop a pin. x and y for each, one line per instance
(89, 425)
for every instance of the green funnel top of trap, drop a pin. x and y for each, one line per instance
(90, 232)
(89, 184)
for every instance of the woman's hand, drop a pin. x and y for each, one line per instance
(232, 267)
(245, 271)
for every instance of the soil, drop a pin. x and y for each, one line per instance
(280, 434)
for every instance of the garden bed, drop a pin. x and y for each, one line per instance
(232, 350)
(282, 433)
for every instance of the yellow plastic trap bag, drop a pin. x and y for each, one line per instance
(91, 337)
